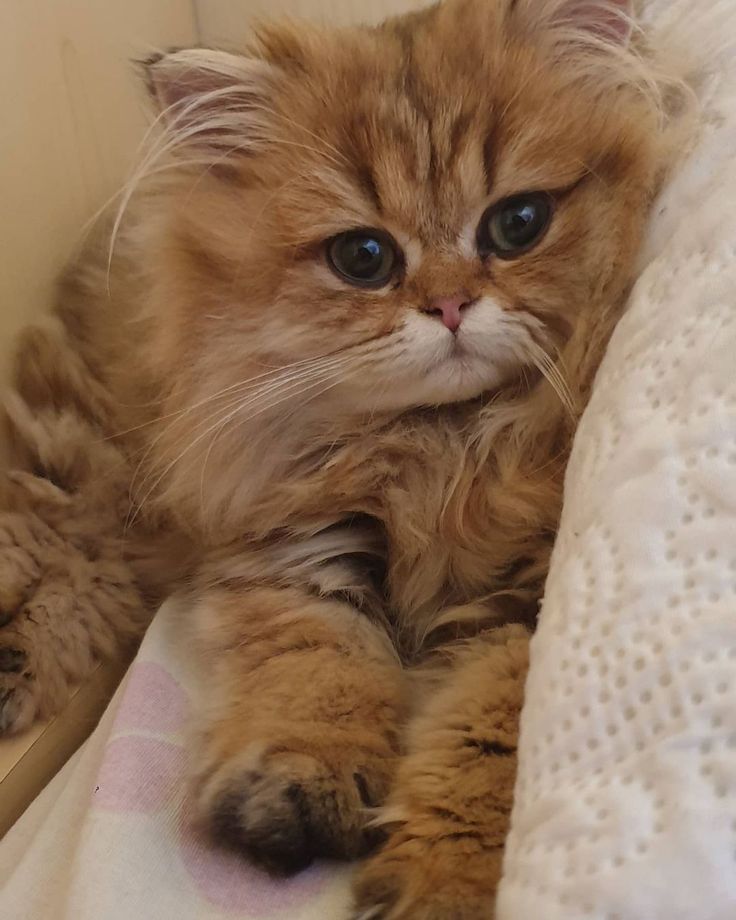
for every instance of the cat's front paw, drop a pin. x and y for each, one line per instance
(61, 611)
(35, 662)
(285, 807)
(413, 878)
(31, 679)
(18, 702)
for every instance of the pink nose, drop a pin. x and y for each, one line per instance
(449, 309)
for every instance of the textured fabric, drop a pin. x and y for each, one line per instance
(110, 838)
(626, 799)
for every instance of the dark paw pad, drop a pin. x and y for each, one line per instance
(12, 660)
(285, 821)
(17, 707)
(280, 839)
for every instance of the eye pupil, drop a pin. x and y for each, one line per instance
(365, 258)
(367, 254)
(514, 225)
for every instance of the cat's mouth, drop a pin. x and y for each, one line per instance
(459, 348)
(468, 366)
(462, 348)
(462, 358)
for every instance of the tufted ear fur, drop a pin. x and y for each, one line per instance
(213, 99)
(607, 20)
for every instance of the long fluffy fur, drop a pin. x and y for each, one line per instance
(214, 411)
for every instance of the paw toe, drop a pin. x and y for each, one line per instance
(273, 836)
(414, 882)
(17, 707)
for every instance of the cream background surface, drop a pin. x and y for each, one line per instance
(72, 118)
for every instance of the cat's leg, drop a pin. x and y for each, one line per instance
(68, 596)
(303, 701)
(62, 610)
(450, 804)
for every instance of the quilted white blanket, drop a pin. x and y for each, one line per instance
(626, 805)
(626, 799)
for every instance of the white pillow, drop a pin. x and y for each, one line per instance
(626, 798)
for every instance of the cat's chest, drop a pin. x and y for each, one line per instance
(457, 521)
(458, 533)
(430, 554)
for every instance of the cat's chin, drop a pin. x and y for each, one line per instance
(457, 379)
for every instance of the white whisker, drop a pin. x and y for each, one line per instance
(552, 374)
(290, 390)
(289, 381)
(336, 377)
(243, 384)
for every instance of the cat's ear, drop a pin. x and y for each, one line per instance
(213, 98)
(611, 20)
(607, 20)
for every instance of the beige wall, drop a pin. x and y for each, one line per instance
(226, 21)
(71, 120)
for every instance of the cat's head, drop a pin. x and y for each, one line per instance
(410, 214)
(379, 218)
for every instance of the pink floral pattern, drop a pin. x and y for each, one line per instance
(153, 701)
(143, 773)
(139, 775)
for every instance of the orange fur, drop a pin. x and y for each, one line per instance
(338, 486)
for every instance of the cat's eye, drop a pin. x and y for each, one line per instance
(514, 225)
(365, 258)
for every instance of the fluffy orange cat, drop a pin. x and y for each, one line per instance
(325, 391)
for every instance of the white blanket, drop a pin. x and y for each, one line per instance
(626, 798)
(626, 806)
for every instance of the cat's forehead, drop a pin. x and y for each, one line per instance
(421, 165)
(418, 155)
(423, 148)
(420, 130)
